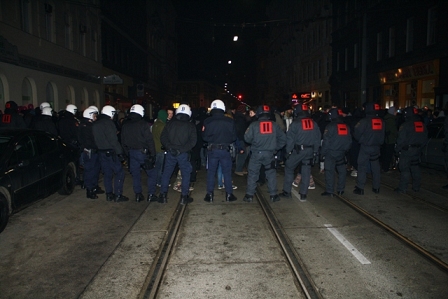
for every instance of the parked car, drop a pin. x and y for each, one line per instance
(432, 153)
(33, 165)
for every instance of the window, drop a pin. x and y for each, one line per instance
(346, 59)
(47, 144)
(337, 62)
(26, 15)
(82, 39)
(391, 41)
(328, 67)
(49, 94)
(432, 19)
(49, 22)
(319, 69)
(24, 150)
(355, 56)
(410, 35)
(26, 92)
(379, 46)
(68, 32)
(94, 45)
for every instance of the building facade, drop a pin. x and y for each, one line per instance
(391, 52)
(50, 52)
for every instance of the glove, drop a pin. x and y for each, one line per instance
(315, 159)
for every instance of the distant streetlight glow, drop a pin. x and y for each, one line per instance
(235, 38)
(229, 62)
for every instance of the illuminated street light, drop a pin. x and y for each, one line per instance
(235, 38)
(229, 62)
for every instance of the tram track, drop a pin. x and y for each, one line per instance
(406, 240)
(303, 279)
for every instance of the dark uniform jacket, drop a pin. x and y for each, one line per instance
(68, 128)
(179, 134)
(370, 131)
(219, 129)
(85, 134)
(136, 134)
(12, 120)
(105, 134)
(412, 135)
(337, 137)
(46, 123)
(265, 135)
(303, 131)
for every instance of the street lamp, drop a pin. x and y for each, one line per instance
(235, 38)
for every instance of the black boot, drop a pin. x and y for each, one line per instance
(248, 198)
(230, 197)
(90, 193)
(120, 198)
(139, 197)
(274, 198)
(208, 197)
(184, 199)
(162, 198)
(110, 196)
(358, 191)
(152, 198)
(285, 194)
(98, 190)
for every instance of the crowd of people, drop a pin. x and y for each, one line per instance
(235, 141)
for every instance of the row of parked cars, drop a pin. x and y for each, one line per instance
(35, 164)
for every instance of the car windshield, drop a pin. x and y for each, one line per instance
(4, 141)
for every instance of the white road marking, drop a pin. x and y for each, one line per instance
(347, 245)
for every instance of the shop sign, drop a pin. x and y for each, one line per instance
(407, 73)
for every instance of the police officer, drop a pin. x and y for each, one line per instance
(412, 136)
(68, 126)
(369, 132)
(110, 154)
(336, 141)
(11, 118)
(45, 122)
(266, 137)
(138, 142)
(219, 132)
(89, 153)
(178, 137)
(302, 145)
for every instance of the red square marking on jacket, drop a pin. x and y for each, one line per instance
(342, 129)
(307, 124)
(418, 126)
(6, 118)
(377, 124)
(266, 127)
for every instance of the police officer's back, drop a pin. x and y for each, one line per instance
(219, 132)
(370, 133)
(302, 144)
(138, 142)
(178, 137)
(45, 122)
(336, 141)
(266, 137)
(11, 118)
(412, 137)
(68, 125)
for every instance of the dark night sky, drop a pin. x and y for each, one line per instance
(205, 41)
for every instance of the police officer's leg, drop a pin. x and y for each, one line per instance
(96, 169)
(226, 164)
(135, 163)
(376, 169)
(306, 172)
(89, 175)
(151, 181)
(405, 171)
(159, 167)
(219, 176)
(416, 173)
(119, 177)
(341, 168)
(185, 168)
(329, 166)
(253, 171)
(290, 166)
(363, 160)
(271, 172)
(213, 160)
(106, 166)
(170, 164)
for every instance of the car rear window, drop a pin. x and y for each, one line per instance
(4, 141)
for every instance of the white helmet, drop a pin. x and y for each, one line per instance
(185, 109)
(109, 111)
(44, 105)
(94, 107)
(71, 108)
(218, 104)
(89, 113)
(138, 109)
(47, 111)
